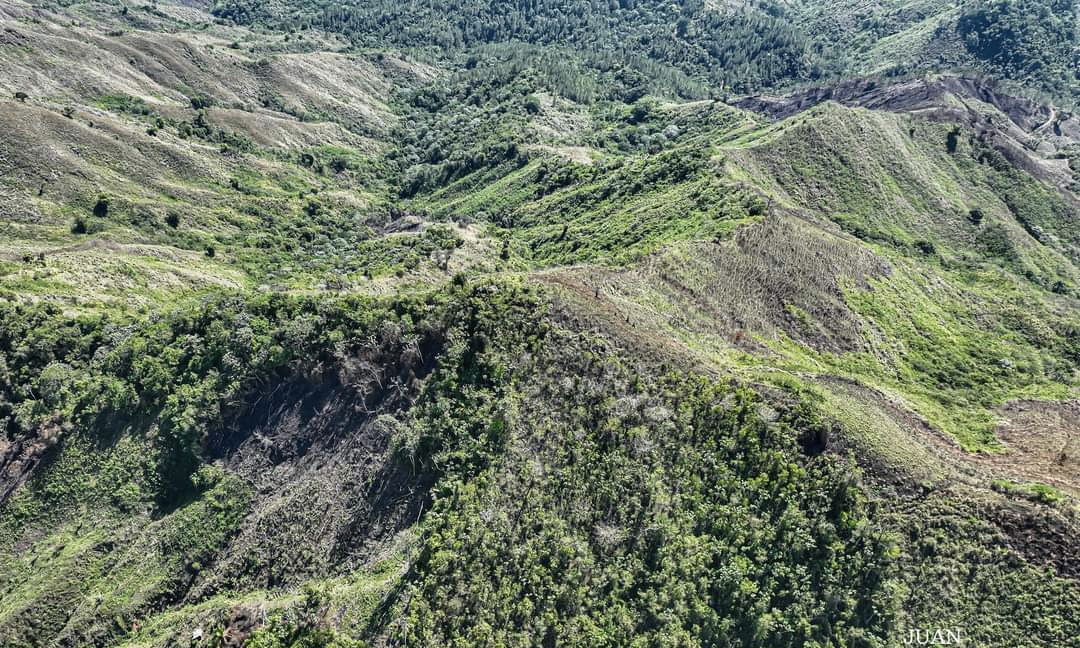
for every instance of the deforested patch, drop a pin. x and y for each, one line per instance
(317, 446)
(1042, 440)
(780, 275)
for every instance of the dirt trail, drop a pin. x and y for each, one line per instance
(1049, 121)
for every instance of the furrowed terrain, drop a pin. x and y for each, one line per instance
(467, 324)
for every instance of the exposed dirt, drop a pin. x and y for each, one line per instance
(915, 95)
(243, 620)
(1043, 443)
(1041, 534)
(20, 457)
(1041, 439)
(1029, 135)
(575, 154)
(316, 446)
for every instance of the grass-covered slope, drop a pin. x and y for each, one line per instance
(149, 153)
(905, 253)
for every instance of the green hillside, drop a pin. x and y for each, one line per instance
(527, 324)
(738, 47)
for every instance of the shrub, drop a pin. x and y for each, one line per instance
(339, 164)
(201, 102)
(101, 207)
(532, 105)
(953, 140)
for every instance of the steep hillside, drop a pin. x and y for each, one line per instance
(546, 465)
(739, 47)
(482, 323)
(1033, 42)
(153, 147)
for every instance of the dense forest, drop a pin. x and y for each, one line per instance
(511, 554)
(740, 50)
(732, 48)
(1029, 40)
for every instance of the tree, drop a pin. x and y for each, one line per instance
(953, 140)
(101, 207)
(532, 105)
(339, 164)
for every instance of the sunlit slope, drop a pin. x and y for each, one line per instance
(905, 253)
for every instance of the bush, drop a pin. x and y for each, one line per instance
(953, 140)
(201, 102)
(532, 105)
(101, 207)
